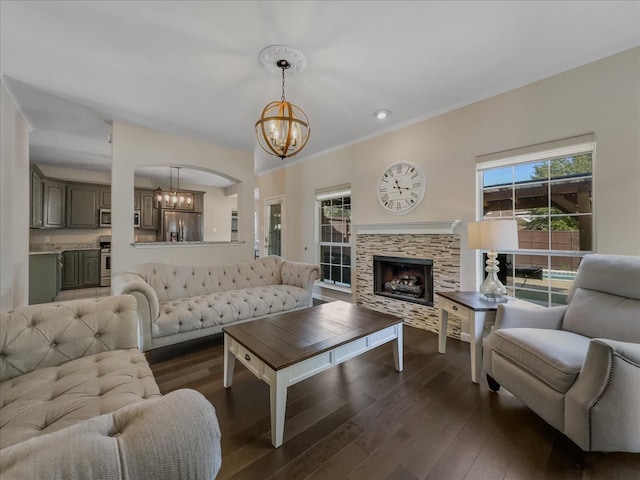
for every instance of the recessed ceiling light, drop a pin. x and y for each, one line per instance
(381, 114)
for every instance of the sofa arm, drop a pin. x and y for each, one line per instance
(602, 412)
(148, 304)
(519, 316)
(175, 436)
(301, 275)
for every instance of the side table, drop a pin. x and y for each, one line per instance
(481, 315)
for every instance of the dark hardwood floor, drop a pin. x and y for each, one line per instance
(363, 420)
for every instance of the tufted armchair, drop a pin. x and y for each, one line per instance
(78, 400)
(177, 303)
(577, 366)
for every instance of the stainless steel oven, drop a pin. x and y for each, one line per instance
(105, 260)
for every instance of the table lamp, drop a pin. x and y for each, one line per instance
(493, 235)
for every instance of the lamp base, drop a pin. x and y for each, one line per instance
(502, 299)
(492, 289)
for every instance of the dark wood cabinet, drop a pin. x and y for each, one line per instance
(82, 205)
(80, 269)
(53, 209)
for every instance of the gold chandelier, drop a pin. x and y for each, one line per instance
(283, 129)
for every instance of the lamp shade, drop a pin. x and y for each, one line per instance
(493, 235)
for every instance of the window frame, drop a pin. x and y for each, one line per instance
(322, 195)
(537, 153)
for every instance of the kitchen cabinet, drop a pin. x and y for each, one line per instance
(44, 277)
(148, 211)
(104, 196)
(198, 202)
(90, 268)
(80, 269)
(136, 200)
(82, 205)
(70, 269)
(47, 201)
(53, 207)
(35, 216)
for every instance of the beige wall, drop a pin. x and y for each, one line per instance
(133, 147)
(14, 202)
(602, 97)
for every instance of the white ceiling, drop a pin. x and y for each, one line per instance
(191, 68)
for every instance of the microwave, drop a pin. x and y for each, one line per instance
(105, 218)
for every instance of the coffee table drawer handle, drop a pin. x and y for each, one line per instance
(455, 308)
(247, 357)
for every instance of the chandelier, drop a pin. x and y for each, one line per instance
(283, 128)
(174, 199)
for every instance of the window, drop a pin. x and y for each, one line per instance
(550, 194)
(334, 213)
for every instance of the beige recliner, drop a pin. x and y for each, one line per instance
(577, 366)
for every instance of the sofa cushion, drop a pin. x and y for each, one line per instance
(553, 356)
(603, 315)
(50, 399)
(220, 308)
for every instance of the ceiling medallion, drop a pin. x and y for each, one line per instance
(283, 128)
(269, 57)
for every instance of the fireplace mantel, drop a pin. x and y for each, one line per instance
(412, 228)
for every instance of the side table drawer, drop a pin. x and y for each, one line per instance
(249, 360)
(456, 310)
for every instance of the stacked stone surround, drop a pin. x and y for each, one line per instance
(443, 249)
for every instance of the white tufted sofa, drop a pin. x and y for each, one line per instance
(178, 302)
(79, 401)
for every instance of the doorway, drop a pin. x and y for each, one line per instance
(274, 226)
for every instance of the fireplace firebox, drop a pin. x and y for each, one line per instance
(404, 278)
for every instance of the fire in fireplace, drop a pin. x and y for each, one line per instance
(404, 278)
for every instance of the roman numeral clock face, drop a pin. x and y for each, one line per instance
(401, 188)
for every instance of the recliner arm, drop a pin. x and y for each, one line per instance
(602, 412)
(518, 316)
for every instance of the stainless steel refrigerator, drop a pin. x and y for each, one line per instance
(180, 226)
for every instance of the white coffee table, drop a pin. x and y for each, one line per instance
(285, 349)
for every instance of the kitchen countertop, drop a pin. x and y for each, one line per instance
(182, 244)
(48, 248)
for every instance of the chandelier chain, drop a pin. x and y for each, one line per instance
(282, 98)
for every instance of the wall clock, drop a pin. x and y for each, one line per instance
(401, 187)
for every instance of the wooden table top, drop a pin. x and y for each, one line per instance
(288, 338)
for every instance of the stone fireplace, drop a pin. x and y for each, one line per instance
(404, 278)
(435, 241)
